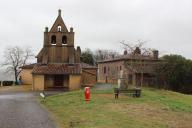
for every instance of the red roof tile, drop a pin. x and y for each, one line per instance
(129, 57)
(57, 69)
(30, 66)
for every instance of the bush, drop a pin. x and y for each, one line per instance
(16, 83)
(7, 83)
(175, 73)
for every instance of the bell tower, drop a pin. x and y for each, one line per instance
(58, 34)
(58, 44)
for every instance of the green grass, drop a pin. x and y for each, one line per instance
(155, 109)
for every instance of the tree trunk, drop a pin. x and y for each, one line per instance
(141, 68)
(15, 70)
(141, 79)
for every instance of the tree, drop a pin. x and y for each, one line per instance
(16, 57)
(100, 54)
(176, 72)
(137, 51)
(87, 57)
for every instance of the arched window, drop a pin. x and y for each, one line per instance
(64, 40)
(53, 39)
(59, 28)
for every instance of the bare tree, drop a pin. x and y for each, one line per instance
(16, 57)
(100, 54)
(137, 51)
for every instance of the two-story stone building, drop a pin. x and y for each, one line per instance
(135, 68)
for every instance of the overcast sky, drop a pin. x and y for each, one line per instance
(165, 24)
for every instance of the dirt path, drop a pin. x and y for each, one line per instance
(15, 88)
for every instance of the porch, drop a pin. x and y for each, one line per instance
(56, 82)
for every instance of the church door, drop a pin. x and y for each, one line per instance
(58, 80)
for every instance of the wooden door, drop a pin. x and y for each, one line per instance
(58, 80)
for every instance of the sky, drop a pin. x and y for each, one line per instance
(166, 25)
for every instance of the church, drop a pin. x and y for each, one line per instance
(58, 63)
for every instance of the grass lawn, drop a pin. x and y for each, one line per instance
(155, 109)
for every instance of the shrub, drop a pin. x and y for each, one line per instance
(16, 83)
(175, 73)
(7, 83)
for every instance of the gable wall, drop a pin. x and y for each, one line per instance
(26, 76)
(38, 82)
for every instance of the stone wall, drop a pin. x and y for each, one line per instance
(74, 82)
(38, 82)
(108, 72)
(89, 77)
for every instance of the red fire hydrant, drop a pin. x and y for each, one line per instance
(87, 93)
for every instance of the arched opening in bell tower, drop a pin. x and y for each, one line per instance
(59, 28)
(53, 40)
(64, 40)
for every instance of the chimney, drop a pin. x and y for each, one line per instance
(71, 29)
(137, 51)
(155, 54)
(113, 56)
(125, 52)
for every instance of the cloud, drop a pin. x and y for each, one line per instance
(102, 23)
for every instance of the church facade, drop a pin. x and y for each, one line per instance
(58, 63)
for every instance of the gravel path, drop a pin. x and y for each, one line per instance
(21, 110)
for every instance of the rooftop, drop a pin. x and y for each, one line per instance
(57, 69)
(129, 57)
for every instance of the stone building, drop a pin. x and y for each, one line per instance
(134, 68)
(58, 63)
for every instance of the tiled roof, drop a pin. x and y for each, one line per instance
(128, 57)
(57, 69)
(30, 66)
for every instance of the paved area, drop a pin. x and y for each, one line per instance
(21, 110)
(104, 86)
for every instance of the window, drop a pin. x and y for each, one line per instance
(59, 28)
(120, 68)
(64, 40)
(104, 70)
(130, 79)
(53, 40)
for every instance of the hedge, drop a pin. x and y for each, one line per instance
(8, 83)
